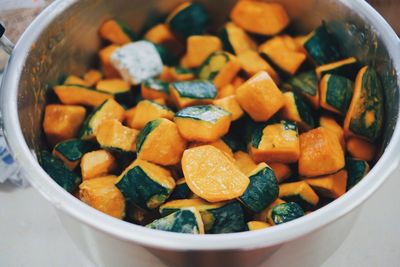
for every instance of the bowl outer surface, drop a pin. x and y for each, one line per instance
(63, 40)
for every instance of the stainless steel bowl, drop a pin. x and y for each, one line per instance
(63, 39)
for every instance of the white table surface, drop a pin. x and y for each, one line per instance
(31, 233)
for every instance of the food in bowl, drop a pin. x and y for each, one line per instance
(238, 131)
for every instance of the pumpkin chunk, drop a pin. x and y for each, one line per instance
(97, 163)
(190, 93)
(297, 110)
(260, 97)
(251, 62)
(105, 58)
(163, 135)
(235, 40)
(220, 144)
(260, 17)
(203, 123)
(211, 175)
(257, 225)
(148, 110)
(225, 91)
(306, 85)
(244, 162)
(182, 74)
(79, 95)
(62, 122)
(320, 153)
(332, 185)
(181, 191)
(265, 215)
(199, 48)
(336, 92)
(356, 170)
(299, 192)
(276, 143)
(330, 123)
(346, 67)
(91, 77)
(113, 136)
(162, 34)
(282, 171)
(231, 105)
(286, 212)
(116, 32)
(102, 194)
(74, 80)
(361, 149)
(71, 151)
(154, 88)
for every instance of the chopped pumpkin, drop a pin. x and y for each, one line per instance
(105, 59)
(148, 110)
(116, 32)
(332, 185)
(74, 80)
(230, 104)
(154, 88)
(97, 163)
(330, 123)
(299, 192)
(113, 136)
(91, 77)
(251, 62)
(225, 91)
(335, 93)
(235, 40)
(346, 67)
(244, 162)
(297, 110)
(162, 34)
(282, 171)
(257, 225)
(71, 151)
(220, 144)
(190, 93)
(199, 48)
(181, 74)
(79, 95)
(360, 149)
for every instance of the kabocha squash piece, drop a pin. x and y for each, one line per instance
(62, 122)
(257, 225)
(278, 142)
(182, 74)
(74, 80)
(322, 47)
(186, 221)
(154, 88)
(285, 57)
(265, 215)
(282, 171)
(260, 17)
(203, 123)
(211, 175)
(233, 141)
(113, 136)
(219, 144)
(306, 85)
(262, 190)
(116, 32)
(102, 194)
(71, 151)
(230, 104)
(105, 59)
(260, 97)
(162, 34)
(361, 149)
(297, 110)
(237, 81)
(120, 89)
(332, 185)
(336, 92)
(346, 67)
(235, 40)
(59, 172)
(137, 62)
(181, 191)
(286, 212)
(109, 110)
(320, 153)
(199, 48)
(80, 95)
(160, 142)
(299, 192)
(91, 77)
(244, 162)
(225, 91)
(148, 110)
(218, 218)
(188, 19)
(146, 184)
(330, 123)
(366, 112)
(97, 163)
(190, 93)
(251, 62)
(356, 170)
(220, 68)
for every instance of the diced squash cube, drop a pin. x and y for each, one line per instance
(74, 80)
(244, 162)
(360, 149)
(79, 95)
(238, 81)
(356, 170)
(162, 34)
(146, 184)
(320, 153)
(154, 88)
(260, 97)
(262, 190)
(160, 142)
(148, 110)
(181, 74)
(225, 91)
(62, 122)
(102, 194)
(71, 151)
(220, 144)
(113, 136)
(105, 58)
(260, 17)
(116, 32)
(211, 175)
(199, 48)
(282, 171)
(299, 192)
(235, 40)
(286, 212)
(277, 142)
(366, 112)
(97, 163)
(113, 86)
(336, 92)
(181, 191)
(346, 67)
(109, 110)
(203, 123)
(306, 85)
(251, 62)
(186, 221)
(280, 54)
(265, 215)
(297, 110)
(257, 225)
(220, 68)
(190, 93)
(330, 123)
(137, 62)
(230, 104)
(91, 77)
(332, 185)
